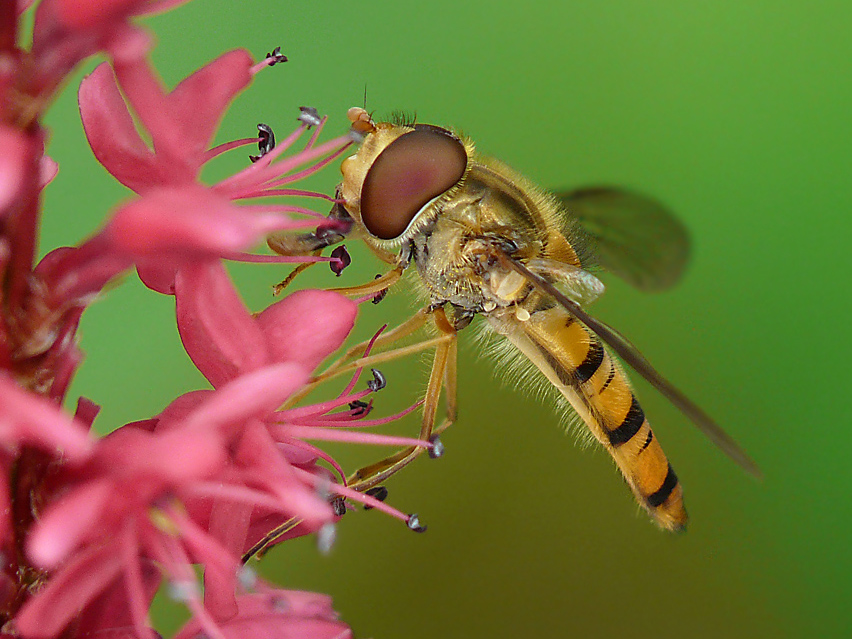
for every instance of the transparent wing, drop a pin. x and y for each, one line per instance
(631, 355)
(632, 235)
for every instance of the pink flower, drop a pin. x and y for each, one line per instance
(90, 528)
(68, 31)
(225, 341)
(13, 162)
(279, 614)
(122, 508)
(177, 218)
(211, 475)
(27, 420)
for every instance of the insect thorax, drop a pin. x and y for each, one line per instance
(455, 255)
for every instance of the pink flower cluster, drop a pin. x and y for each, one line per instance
(91, 527)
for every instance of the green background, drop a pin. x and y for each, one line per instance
(737, 114)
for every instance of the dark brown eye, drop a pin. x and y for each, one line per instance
(413, 169)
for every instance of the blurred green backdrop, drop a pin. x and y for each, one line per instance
(737, 114)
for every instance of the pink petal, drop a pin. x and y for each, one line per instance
(48, 168)
(157, 276)
(67, 522)
(113, 136)
(229, 524)
(86, 14)
(145, 93)
(28, 418)
(248, 396)
(86, 411)
(218, 333)
(190, 222)
(74, 274)
(307, 326)
(68, 591)
(109, 615)
(279, 614)
(160, 458)
(13, 163)
(174, 414)
(200, 100)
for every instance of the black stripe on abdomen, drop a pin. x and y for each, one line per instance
(630, 426)
(591, 363)
(610, 377)
(669, 484)
(648, 441)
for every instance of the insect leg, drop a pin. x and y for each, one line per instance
(443, 375)
(450, 378)
(301, 268)
(354, 357)
(377, 285)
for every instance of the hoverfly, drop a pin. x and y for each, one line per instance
(486, 241)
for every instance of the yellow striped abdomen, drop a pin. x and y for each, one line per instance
(575, 361)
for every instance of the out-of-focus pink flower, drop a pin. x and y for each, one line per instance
(123, 507)
(212, 474)
(68, 31)
(279, 614)
(13, 154)
(29, 420)
(90, 528)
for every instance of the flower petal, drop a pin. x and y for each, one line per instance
(248, 396)
(28, 418)
(200, 100)
(190, 222)
(160, 458)
(279, 614)
(13, 161)
(174, 414)
(67, 522)
(113, 136)
(307, 326)
(157, 276)
(109, 615)
(68, 591)
(219, 334)
(86, 14)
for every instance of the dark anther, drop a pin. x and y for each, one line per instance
(265, 141)
(378, 382)
(309, 116)
(359, 408)
(338, 505)
(414, 523)
(437, 449)
(379, 492)
(339, 260)
(378, 297)
(276, 56)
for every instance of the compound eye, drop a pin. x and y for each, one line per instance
(412, 170)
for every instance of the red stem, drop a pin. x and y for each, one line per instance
(8, 25)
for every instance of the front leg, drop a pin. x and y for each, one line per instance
(442, 377)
